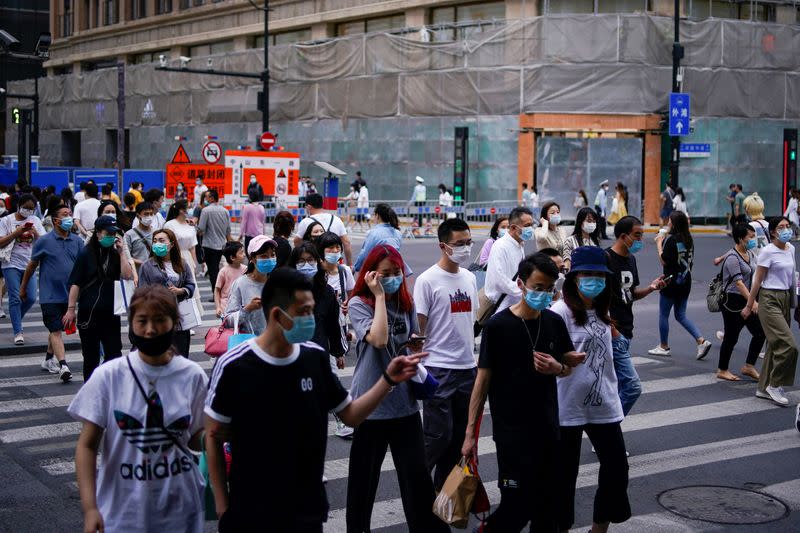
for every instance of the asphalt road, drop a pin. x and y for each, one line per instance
(687, 429)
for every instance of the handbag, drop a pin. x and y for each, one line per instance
(454, 502)
(123, 292)
(5, 251)
(486, 308)
(216, 340)
(717, 297)
(190, 314)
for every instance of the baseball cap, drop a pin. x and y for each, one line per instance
(258, 242)
(589, 259)
(106, 223)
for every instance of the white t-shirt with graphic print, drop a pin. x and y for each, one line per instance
(589, 395)
(144, 481)
(450, 302)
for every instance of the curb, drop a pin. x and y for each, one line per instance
(35, 347)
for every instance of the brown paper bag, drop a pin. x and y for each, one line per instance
(454, 502)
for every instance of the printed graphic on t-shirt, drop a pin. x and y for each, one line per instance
(460, 302)
(596, 355)
(685, 260)
(626, 282)
(151, 438)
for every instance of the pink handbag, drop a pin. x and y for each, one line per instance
(217, 338)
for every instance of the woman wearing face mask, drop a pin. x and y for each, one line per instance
(587, 400)
(185, 232)
(619, 205)
(773, 285)
(385, 231)
(499, 228)
(111, 209)
(180, 191)
(738, 267)
(313, 231)
(352, 204)
(20, 230)
(549, 235)
(584, 234)
(100, 263)
(384, 320)
(327, 333)
(149, 393)
(245, 297)
(166, 268)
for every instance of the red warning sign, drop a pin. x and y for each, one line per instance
(180, 157)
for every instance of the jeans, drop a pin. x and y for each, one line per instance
(628, 383)
(665, 304)
(16, 307)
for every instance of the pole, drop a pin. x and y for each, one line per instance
(265, 74)
(24, 146)
(35, 143)
(677, 54)
(120, 124)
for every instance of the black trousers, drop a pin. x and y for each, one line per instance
(420, 216)
(733, 325)
(445, 420)
(213, 258)
(404, 437)
(181, 341)
(601, 223)
(105, 328)
(611, 498)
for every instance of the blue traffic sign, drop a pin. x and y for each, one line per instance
(679, 114)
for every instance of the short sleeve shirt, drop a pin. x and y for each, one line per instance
(56, 256)
(780, 265)
(23, 245)
(735, 268)
(139, 243)
(97, 287)
(678, 259)
(185, 233)
(624, 280)
(227, 276)
(329, 222)
(275, 475)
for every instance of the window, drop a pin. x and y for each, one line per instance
(110, 12)
(71, 148)
(760, 12)
(138, 9)
(149, 57)
(66, 19)
(460, 22)
(185, 4)
(386, 24)
(219, 47)
(621, 6)
(722, 9)
(566, 6)
(163, 6)
(289, 37)
(350, 28)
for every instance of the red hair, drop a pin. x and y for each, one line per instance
(378, 254)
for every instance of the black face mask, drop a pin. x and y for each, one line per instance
(152, 346)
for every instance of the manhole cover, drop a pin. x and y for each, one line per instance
(723, 505)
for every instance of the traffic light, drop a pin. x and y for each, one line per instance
(15, 114)
(460, 164)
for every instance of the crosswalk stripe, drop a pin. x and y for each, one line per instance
(49, 431)
(15, 406)
(390, 512)
(124, 329)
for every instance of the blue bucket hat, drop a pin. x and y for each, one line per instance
(589, 259)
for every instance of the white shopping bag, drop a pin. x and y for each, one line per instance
(123, 293)
(190, 314)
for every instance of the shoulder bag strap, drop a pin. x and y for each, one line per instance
(342, 289)
(145, 241)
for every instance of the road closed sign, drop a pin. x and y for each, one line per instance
(212, 152)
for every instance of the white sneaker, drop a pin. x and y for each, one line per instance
(762, 395)
(19, 340)
(658, 350)
(2, 313)
(776, 395)
(324, 478)
(50, 365)
(702, 349)
(720, 335)
(797, 418)
(343, 431)
(64, 373)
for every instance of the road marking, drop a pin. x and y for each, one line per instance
(390, 512)
(50, 431)
(15, 406)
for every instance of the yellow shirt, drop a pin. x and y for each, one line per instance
(137, 195)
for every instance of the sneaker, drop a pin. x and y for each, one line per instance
(324, 478)
(720, 335)
(19, 340)
(776, 395)
(763, 395)
(64, 373)
(797, 418)
(702, 350)
(50, 365)
(343, 431)
(2, 313)
(761, 355)
(658, 350)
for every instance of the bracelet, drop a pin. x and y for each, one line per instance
(73, 307)
(389, 380)
(561, 372)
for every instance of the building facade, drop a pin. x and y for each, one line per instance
(559, 93)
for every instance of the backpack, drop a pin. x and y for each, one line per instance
(717, 291)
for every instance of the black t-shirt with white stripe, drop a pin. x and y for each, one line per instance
(277, 409)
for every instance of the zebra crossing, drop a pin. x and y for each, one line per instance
(687, 428)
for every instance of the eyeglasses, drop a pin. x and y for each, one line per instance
(549, 290)
(469, 242)
(302, 263)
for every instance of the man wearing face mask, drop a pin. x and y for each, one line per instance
(254, 190)
(523, 349)
(54, 254)
(446, 297)
(624, 291)
(600, 207)
(140, 236)
(199, 192)
(279, 367)
(504, 259)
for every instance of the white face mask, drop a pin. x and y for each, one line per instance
(25, 213)
(147, 221)
(252, 180)
(589, 227)
(112, 215)
(461, 254)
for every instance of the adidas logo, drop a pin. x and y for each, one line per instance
(149, 470)
(149, 439)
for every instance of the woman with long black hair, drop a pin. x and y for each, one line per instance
(676, 252)
(100, 263)
(586, 233)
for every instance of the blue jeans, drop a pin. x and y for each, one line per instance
(16, 307)
(628, 383)
(665, 304)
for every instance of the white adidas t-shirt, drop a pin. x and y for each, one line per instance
(589, 395)
(450, 302)
(144, 481)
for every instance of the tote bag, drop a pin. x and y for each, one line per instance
(123, 292)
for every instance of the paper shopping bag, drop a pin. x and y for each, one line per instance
(123, 293)
(454, 502)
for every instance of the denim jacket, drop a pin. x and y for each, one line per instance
(152, 274)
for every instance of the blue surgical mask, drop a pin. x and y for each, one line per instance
(309, 270)
(501, 233)
(66, 223)
(160, 249)
(636, 247)
(555, 220)
(591, 287)
(752, 243)
(527, 233)
(538, 300)
(302, 329)
(785, 235)
(333, 258)
(265, 266)
(107, 241)
(391, 284)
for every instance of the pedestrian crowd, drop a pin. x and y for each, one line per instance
(554, 330)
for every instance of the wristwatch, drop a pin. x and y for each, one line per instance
(390, 381)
